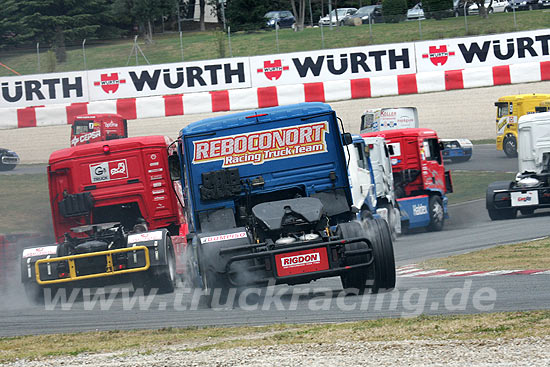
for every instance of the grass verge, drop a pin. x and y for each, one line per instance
(205, 45)
(471, 185)
(525, 255)
(24, 199)
(463, 327)
(24, 203)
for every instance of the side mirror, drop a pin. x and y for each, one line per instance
(347, 139)
(441, 146)
(174, 167)
(390, 149)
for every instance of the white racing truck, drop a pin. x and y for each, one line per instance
(531, 188)
(371, 180)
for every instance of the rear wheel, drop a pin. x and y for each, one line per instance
(382, 275)
(356, 278)
(527, 211)
(437, 215)
(501, 214)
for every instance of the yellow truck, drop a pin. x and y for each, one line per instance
(509, 110)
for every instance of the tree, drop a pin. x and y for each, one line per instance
(246, 15)
(54, 22)
(144, 12)
(299, 14)
(394, 10)
(481, 7)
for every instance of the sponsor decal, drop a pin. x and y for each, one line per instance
(156, 192)
(420, 209)
(273, 69)
(223, 237)
(107, 171)
(159, 198)
(39, 251)
(111, 124)
(109, 82)
(262, 146)
(525, 198)
(34, 90)
(143, 237)
(300, 262)
(85, 137)
(438, 55)
(155, 170)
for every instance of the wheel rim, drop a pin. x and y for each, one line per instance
(437, 213)
(172, 270)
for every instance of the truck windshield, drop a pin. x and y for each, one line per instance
(83, 126)
(502, 109)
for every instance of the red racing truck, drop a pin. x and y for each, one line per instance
(98, 127)
(116, 218)
(420, 180)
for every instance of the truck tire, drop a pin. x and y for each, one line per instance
(527, 211)
(164, 277)
(161, 277)
(354, 279)
(383, 275)
(34, 293)
(392, 220)
(437, 215)
(510, 147)
(501, 214)
(494, 213)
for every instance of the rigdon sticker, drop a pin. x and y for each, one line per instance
(261, 146)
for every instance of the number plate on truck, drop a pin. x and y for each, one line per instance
(300, 262)
(525, 198)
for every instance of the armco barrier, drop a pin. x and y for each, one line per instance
(250, 98)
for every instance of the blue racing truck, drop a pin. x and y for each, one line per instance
(268, 201)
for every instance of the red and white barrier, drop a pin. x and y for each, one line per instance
(251, 98)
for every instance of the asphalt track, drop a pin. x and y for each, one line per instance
(468, 229)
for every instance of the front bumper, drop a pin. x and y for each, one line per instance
(92, 265)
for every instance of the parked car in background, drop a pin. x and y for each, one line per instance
(544, 4)
(521, 5)
(416, 12)
(8, 159)
(343, 13)
(373, 12)
(497, 6)
(459, 8)
(283, 18)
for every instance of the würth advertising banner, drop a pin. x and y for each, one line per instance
(336, 64)
(43, 89)
(493, 50)
(176, 78)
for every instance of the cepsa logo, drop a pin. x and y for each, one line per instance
(110, 82)
(273, 69)
(85, 137)
(261, 146)
(107, 171)
(438, 55)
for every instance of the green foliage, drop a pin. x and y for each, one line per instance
(53, 22)
(246, 15)
(394, 10)
(438, 9)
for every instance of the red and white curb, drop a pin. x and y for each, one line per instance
(412, 271)
(252, 98)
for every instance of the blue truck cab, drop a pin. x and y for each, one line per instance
(268, 200)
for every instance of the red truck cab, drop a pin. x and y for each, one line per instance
(99, 127)
(125, 180)
(420, 179)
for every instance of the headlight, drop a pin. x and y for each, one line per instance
(271, 22)
(523, 2)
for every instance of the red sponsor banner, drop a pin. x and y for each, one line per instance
(300, 262)
(265, 145)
